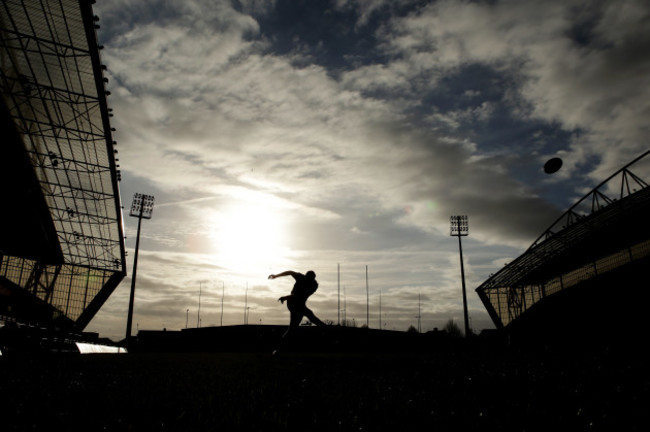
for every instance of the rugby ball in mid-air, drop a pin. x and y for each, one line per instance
(552, 165)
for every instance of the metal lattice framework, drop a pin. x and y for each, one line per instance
(53, 88)
(603, 231)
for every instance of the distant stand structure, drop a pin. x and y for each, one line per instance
(585, 277)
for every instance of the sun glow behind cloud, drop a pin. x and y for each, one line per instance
(246, 235)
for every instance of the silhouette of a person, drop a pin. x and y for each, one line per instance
(304, 287)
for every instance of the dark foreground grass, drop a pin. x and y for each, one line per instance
(457, 390)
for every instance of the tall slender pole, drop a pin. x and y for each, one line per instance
(462, 273)
(223, 289)
(338, 268)
(198, 314)
(345, 306)
(367, 301)
(142, 208)
(460, 227)
(246, 305)
(129, 321)
(419, 315)
(379, 309)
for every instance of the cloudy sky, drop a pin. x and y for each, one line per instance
(308, 134)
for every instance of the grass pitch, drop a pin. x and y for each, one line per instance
(458, 389)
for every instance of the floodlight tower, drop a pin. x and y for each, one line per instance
(142, 208)
(460, 228)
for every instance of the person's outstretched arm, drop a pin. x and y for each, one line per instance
(285, 273)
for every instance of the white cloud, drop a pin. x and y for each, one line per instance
(600, 88)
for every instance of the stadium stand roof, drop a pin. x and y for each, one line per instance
(62, 247)
(606, 231)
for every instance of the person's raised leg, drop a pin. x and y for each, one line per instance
(313, 318)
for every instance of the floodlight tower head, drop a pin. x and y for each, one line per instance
(459, 225)
(142, 206)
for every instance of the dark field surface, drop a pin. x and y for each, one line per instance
(459, 388)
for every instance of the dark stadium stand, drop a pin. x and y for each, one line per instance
(61, 232)
(584, 277)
